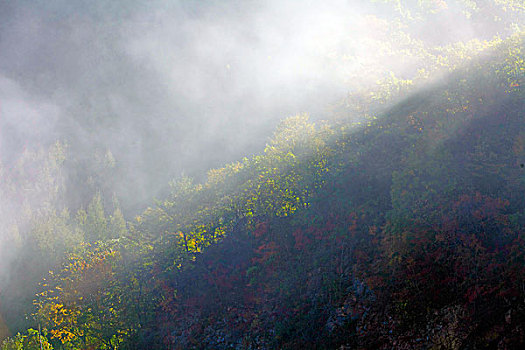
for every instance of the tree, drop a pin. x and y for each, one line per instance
(117, 225)
(93, 222)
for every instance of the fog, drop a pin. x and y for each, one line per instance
(198, 82)
(201, 81)
(178, 87)
(141, 92)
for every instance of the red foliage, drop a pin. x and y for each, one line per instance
(301, 240)
(260, 229)
(265, 252)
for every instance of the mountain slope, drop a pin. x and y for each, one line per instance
(403, 230)
(411, 235)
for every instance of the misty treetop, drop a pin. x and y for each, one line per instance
(396, 222)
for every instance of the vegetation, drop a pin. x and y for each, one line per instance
(400, 223)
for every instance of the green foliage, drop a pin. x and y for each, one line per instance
(93, 301)
(117, 224)
(56, 234)
(33, 340)
(93, 221)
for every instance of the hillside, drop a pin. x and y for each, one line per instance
(391, 216)
(402, 229)
(405, 233)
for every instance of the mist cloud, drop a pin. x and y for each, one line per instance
(25, 120)
(171, 87)
(182, 86)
